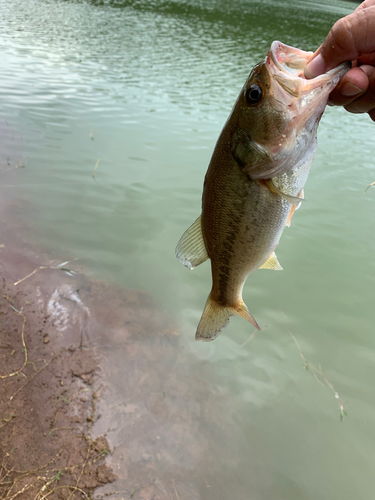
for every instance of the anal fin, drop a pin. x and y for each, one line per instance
(272, 263)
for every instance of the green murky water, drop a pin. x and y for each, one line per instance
(146, 87)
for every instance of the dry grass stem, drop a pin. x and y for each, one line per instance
(372, 184)
(96, 166)
(21, 164)
(74, 488)
(32, 377)
(90, 444)
(19, 313)
(250, 338)
(319, 373)
(6, 421)
(175, 490)
(59, 267)
(48, 477)
(31, 274)
(205, 482)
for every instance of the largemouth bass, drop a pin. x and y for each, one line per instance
(255, 179)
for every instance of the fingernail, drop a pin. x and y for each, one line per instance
(367, 69)
(316, 67)
(349, 90)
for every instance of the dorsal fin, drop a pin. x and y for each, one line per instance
(191, 250)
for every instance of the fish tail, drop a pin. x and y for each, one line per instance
(215, 318)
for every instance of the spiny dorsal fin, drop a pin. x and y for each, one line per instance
(272, 263)
(191, 250)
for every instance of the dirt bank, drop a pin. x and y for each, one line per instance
(73, 352)
(97, 376)
(49, 385)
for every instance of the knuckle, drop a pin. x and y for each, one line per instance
(362, 104)
(342, 34)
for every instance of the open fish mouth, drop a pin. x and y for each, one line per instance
(289, 59)
(287, 65)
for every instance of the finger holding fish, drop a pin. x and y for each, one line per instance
(350, 38)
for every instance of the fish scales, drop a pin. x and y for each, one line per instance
(241, 228)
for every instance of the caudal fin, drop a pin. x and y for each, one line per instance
(216, 317)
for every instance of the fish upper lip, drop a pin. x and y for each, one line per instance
(291, 75)
(276, 46)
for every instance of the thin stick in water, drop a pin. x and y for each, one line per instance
(96, 166)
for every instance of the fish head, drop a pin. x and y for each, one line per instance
(274, 121)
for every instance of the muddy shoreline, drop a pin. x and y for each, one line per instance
(48, 388)
(100, 397)
(59, 332)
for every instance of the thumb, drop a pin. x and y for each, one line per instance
(348, 39)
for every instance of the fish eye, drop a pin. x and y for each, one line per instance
(254, 94)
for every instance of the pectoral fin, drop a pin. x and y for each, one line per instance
(293, 200)
(191, 250)
(272, 263)
(293, 209)
(250, 156)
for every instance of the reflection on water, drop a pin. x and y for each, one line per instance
(145, 87)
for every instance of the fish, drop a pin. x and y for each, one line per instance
(255, 179)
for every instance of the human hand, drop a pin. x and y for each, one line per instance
(350, 39)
